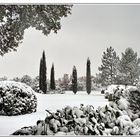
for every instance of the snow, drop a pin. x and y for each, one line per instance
(12, 84)
(111, 88)
(137, 122)
(52, 102)
(123, 104)
(124, 121)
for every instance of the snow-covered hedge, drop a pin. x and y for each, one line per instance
(106, 121)
(16, 98)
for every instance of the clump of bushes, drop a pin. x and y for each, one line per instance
(103, 121)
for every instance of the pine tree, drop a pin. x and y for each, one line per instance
(74, 80)
(52, 78)
(129, 67)
(88, 77)
(42, 74)
(109, 67)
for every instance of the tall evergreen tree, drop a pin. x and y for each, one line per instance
(74, 80)
(52, 78)
(88, 77)
(129, 67)
(109, 67)
(42, 74)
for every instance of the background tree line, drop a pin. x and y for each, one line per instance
(114, 70)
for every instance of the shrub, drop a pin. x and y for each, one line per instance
(16, 98)
(134, 100)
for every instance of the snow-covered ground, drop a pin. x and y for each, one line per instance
(51, 102)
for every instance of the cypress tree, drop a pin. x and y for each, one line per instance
(88, 77)
(42, 74)
(52, 78)
(74, 80)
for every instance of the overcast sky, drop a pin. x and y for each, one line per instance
(87, 32)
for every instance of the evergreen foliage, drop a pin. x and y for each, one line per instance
(129, 67)
(74, 80)
(88, 77)
(52, 78)
(42, 74)
(109, 67)
(134, 100)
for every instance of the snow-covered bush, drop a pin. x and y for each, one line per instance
(16, 98)
(125, 98)
(111, 89)
(134, 100)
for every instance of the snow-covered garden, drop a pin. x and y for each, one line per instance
(94, 116)
(115, 112)
(64, 99)
(52, 102)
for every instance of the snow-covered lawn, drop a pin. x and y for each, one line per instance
(51, 102)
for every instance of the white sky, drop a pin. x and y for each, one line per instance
(86, 33)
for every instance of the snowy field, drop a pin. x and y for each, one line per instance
(51, 102)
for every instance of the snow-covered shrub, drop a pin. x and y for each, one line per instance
(126, 98)
(31, 130)
(111, 89)
(16, 98)
(134, 100)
